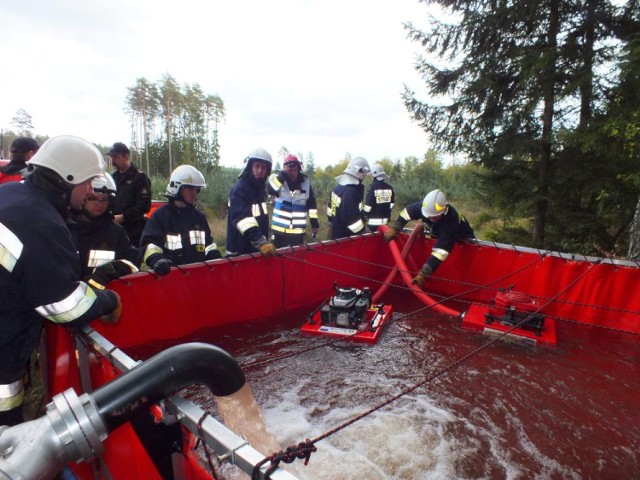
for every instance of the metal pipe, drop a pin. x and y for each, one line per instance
(164, 374)
(74, 428)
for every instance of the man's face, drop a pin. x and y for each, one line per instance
(79, 193)
(259, 170)
(189, 193)
(96, 204)
(292, 170)
(121, 162)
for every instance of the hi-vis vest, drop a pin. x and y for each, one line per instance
(290, 210)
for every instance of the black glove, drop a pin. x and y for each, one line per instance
(282, 176)
(159, 263)
(426, 270)
(213, 254)
(111, 271)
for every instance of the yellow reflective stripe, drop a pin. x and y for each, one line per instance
(274, 182)
(404, 214)
(11, 395)
(277, 228)
(440, 253)
(213, 246)
(356, 226)
(335, 200)
(378, 221)
(258, 209)
(367, 208)
(70, 308)
(10, 248)
(247, 223)
(313, 213)
(95, 284)
(152, 249)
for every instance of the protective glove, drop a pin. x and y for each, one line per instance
(159, 263)
(314, 233)
(282, 176)
(107, 272)
(114, 316)
(390, 234)
(268, 250)
(422, 276)
(213, 254)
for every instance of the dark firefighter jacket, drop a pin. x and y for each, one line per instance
(379, 202)
(132, 200)
(183, 234)
(345, 211)
(39, 274)
(248, 218)
(101, 240)
(451, 228)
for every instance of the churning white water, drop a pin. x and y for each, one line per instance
(511, 412)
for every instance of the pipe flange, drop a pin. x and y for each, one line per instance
(78, 425)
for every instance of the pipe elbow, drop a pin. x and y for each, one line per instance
(164, 374)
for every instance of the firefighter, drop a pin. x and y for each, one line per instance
(178, 233)
(248, 218)
(344, 210)
(133, 197)
(104, 248)
(380, 199)
(295, 201)
(39, 263)
(21, 150)
(443, 221)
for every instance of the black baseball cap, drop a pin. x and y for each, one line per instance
(118, 148)
(24, 145)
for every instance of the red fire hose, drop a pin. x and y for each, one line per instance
(401, 267)
(405, 254)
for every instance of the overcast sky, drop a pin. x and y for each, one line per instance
(320, 76)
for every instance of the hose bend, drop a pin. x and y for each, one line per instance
(166, 373)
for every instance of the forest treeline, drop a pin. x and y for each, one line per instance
(538, 102)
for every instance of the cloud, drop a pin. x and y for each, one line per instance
(314, 76)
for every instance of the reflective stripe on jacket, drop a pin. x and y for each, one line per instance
(292, 208)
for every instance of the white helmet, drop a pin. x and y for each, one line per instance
(378, 172)
(434, 204)
(358, 167)
(104, 184)
(73, 158)
(257, 154)
(185, 175)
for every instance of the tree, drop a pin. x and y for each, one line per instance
(170, 106)
(142, 104)
(310, 165)
(22, 121)
(506, 79)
